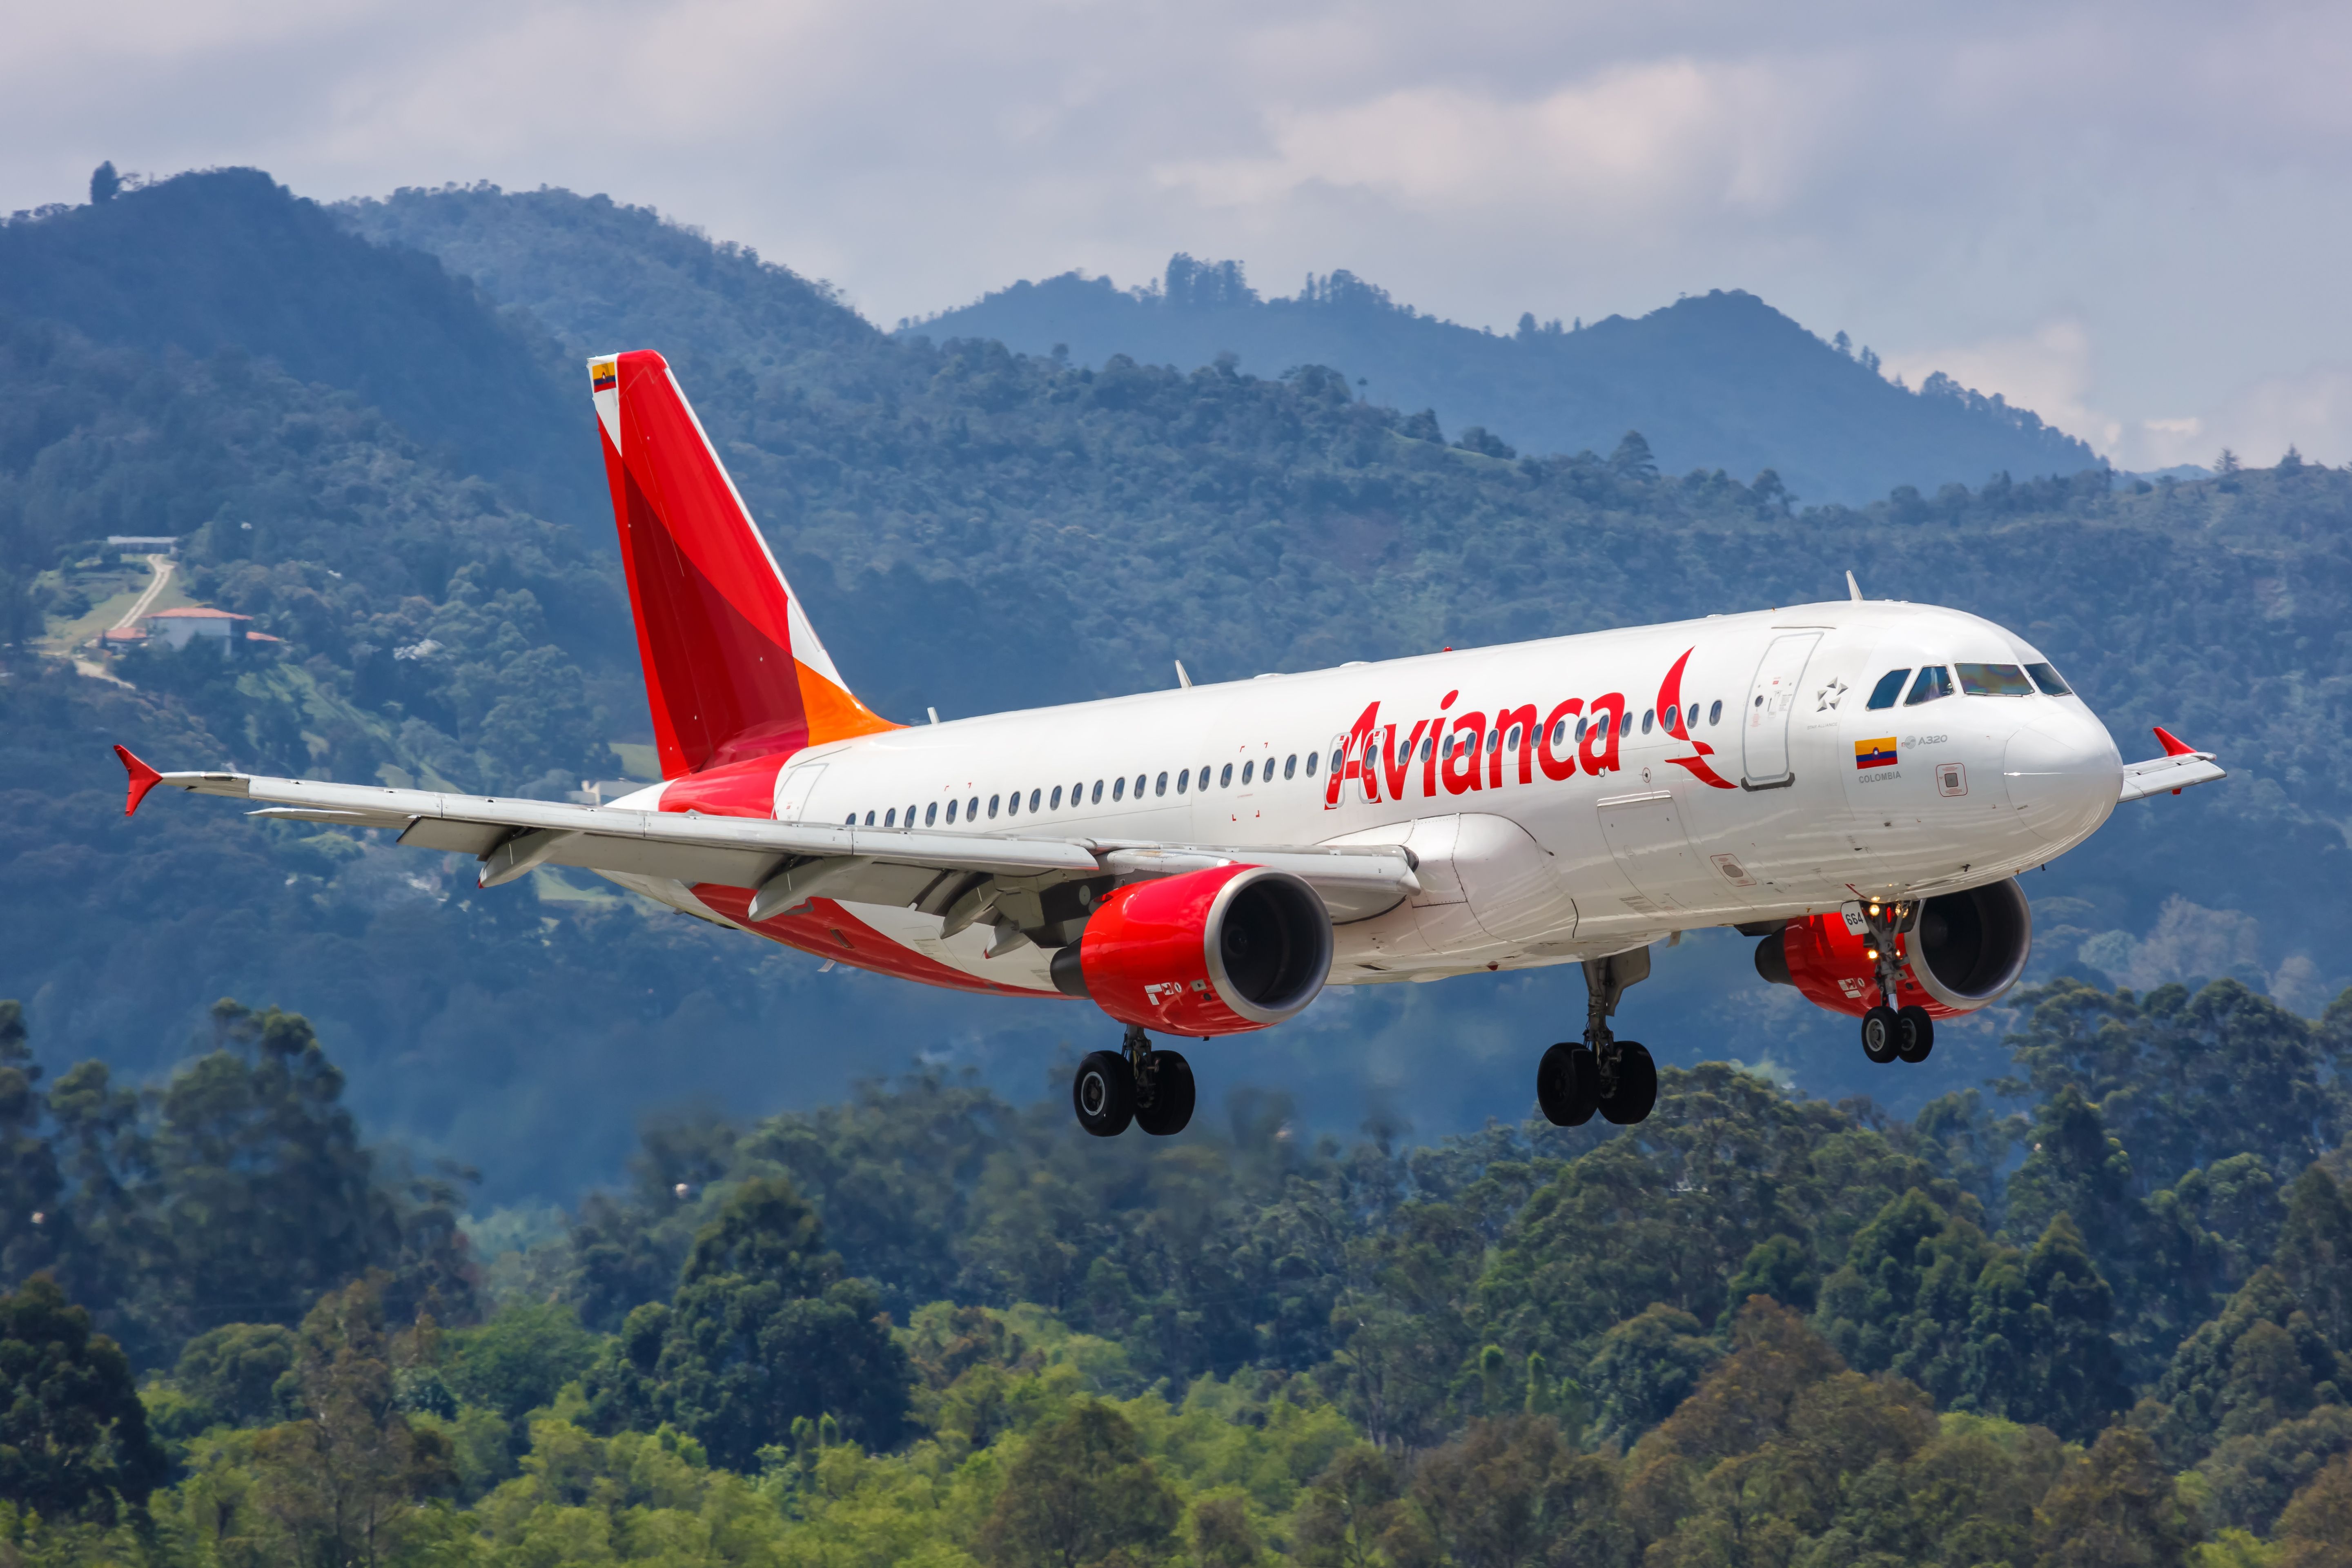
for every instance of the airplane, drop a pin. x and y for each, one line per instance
(1855, 784)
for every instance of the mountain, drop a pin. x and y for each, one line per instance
(974, 528)
(1713, 381)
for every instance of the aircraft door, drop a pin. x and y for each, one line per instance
(1771, 702)
(795, 788)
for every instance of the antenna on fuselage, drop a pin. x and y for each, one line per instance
(1183, 679)
(1852, 588)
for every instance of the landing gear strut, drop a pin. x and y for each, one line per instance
(1606, 1074)
(1889, 1032)
(1135, 1083)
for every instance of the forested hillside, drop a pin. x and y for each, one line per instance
(2112, 1325)
(972, 528)
(1714, 381)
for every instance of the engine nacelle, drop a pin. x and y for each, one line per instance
(1966, 950)
(1210, 953)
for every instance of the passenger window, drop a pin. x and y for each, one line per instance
(851, 820)
(1248, 768)
(1139, 783)
(1012, 805)
(1097, 795)
(1624, 724)
(1581, 726)
(951, 811)
(1119, 787)
(890, 817)
(931, 813)
(1647, 714)
(1889, 688)
(1056, 803)
(2047, 678)
(971, 810)
(1993, 680)
(1310, 763)
(1226, 777)
(1714, 712)
(869, 819)
(1692, 722)
(1290, 765)
(1933, 681)
(991, 807)
(1182, 779)
(1161, 788)
(1034, 795)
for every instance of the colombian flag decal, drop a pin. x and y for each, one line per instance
(1878, 754)
(604, 375)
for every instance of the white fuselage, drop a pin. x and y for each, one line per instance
(1821, 800)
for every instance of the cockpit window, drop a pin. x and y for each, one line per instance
(1994, 680)
(2047, 678)
(1889, 688)
(1933, 681)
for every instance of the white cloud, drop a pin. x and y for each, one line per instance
(2127, 217)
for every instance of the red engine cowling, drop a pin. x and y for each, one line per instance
(1965, 951)
(1210, 953)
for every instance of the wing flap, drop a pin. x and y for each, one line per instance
(510, 836)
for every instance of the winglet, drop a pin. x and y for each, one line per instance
(2174, 746)
(142, 779)
(1852, 588)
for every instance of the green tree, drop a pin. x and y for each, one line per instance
(2112, 1508)
(1347, 1511)
(341, 1482)
(73, 1435)
(31, 1222)
(516, 1363)
(1080, 1492)
(2316, 1528)
(237, 1370)
(1646, 1366)
(2315, 1253)
(762, 1331)
(1510, 1492)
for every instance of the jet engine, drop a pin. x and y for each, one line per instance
(1210, 953)
(1964, 951)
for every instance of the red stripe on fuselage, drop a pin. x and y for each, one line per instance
(831, 931)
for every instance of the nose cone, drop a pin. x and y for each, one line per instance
(2063, 775)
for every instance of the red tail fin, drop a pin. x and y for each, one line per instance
(733, 670)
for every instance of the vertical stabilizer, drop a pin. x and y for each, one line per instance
(733, 670)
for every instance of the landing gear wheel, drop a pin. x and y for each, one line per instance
(1103, 1093)
(1568, 1085)
(1636, 1089)
(1881, 1035)
(1164, 1095)
(1914, 1034)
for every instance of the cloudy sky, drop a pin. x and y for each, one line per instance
(2131, 217)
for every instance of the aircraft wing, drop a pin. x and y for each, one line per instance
(2181, 766)
(786, 862)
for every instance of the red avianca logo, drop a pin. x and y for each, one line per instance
(1469, 751)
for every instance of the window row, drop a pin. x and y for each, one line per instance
(1936, 680)
(1040, 800)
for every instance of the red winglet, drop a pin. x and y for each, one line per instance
(2174, 746)
(142, 779)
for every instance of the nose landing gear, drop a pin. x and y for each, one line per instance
(1614, 1077)
(1890, 1033)
(1151, 1089)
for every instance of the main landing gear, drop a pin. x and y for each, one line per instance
(1890, 1033)
(1606, 1074)
(1135, 1083)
